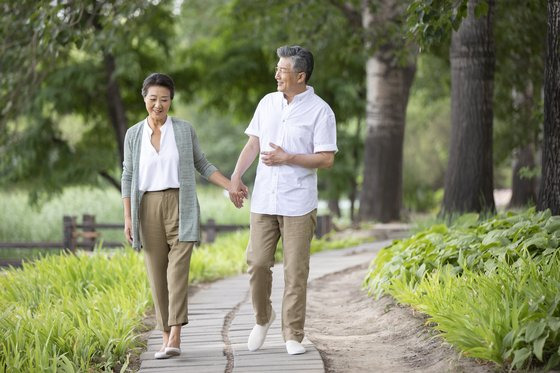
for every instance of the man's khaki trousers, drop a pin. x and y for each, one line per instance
(296, 233)
(167, 259)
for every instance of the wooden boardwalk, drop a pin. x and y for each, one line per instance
(221, 318)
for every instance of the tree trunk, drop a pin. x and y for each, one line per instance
(523, 187)
(469, 175)
(388, 87)
(549, 193)
(334, 207)
(115, 104)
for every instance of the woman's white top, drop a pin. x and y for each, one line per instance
(158, 171)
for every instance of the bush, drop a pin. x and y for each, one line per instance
(491, 286)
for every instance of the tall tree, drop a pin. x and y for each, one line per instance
(549, 193)
(72, 77)
(390, 71)
(469, 175)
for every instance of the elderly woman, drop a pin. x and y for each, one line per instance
(161, 210)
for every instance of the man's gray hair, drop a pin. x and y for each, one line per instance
(302, 59)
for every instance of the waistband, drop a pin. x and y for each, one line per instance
(163, 190)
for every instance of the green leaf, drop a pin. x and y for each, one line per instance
(534, 330)
(481, 9)
(520, 356)
(554, 323)
(538, 346)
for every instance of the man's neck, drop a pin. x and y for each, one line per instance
(289, 97)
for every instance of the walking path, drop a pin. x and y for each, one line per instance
(221, 318)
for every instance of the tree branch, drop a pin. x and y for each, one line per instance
(110, 179)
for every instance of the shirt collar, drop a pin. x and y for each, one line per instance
(301, 96)
(166, 125)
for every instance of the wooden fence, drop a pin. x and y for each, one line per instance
(87, 236)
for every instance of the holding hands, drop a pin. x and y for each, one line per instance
(237, 191)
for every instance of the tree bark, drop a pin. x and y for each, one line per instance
(115, 105)
(469, 175)
(549, 193)
(523, 189)
(388, 87)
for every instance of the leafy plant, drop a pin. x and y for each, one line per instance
(491, 286)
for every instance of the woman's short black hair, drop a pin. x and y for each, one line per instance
(158, 79)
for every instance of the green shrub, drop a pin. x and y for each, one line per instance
(491, 286)
(72, 312)
(81, 313)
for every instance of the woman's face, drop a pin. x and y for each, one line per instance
(158, 102)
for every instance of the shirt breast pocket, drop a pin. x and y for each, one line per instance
(299, 137)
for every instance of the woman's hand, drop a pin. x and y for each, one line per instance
(128, 229)
(237, 191)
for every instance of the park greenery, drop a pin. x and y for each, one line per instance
(71, 89)
(467, 102)
(85, 312)
(490, 286)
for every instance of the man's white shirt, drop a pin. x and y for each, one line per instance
(306, 126)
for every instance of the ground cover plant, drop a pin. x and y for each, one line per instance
(490, 286)
(82, 313)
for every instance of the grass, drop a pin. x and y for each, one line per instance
(491, 286)
(44, 223)
(84, 313)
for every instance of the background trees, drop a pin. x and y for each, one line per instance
(70, 83)
(71, 73)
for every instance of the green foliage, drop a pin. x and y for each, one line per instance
(233, 45)
(430, 23)
(57, 57)
(518, 104)
(508, 263)
(426, 142)
(84, 313)
(72, 313)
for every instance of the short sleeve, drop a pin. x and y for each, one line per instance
(254, 128)
(324, 136)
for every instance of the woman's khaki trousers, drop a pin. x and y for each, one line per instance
(167, 259)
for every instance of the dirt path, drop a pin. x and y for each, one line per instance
(355, 333)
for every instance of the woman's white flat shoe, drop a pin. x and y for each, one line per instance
(173, 351)
(162, 354)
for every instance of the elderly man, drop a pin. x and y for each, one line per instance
(294, 131)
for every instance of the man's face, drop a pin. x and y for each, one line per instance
(288, 80)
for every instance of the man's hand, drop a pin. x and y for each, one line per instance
(237, 191)
(275, 157)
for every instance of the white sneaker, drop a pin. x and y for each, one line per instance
(294, 347)
(258, 334)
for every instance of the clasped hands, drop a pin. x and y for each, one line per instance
(239, 191)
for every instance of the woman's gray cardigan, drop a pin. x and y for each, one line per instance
(191, 157)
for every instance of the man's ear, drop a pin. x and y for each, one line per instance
(301, 77)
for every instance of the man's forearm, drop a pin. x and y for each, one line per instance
(316, 160)
(246, 157)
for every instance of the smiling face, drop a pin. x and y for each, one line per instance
(289, 81)
(158, 102)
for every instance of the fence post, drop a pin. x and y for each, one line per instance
(324, 225)
(88, 224)
(211, 230)
(69, 227)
